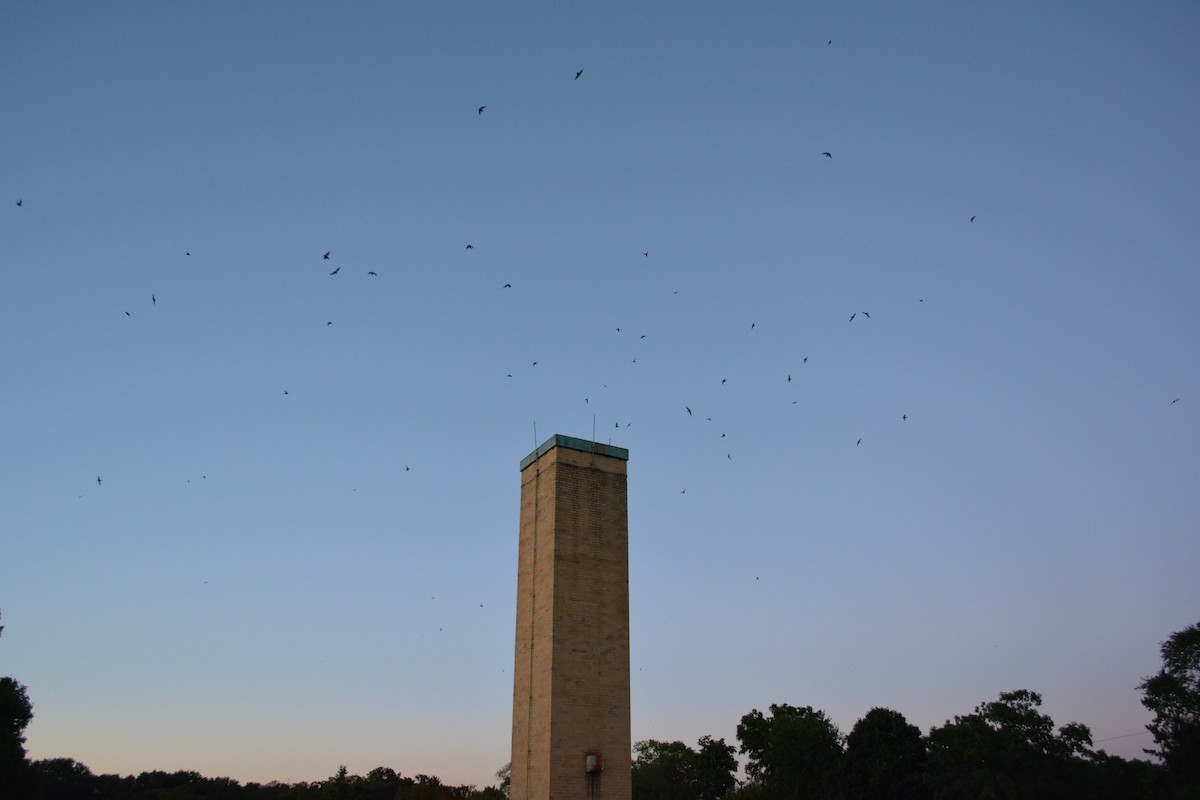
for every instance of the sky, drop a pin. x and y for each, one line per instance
(259, 520)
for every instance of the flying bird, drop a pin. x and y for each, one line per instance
(865, 314)
(376, 274)
(470, 247)
(153, 300)
(327, 324)
(789, 378)
(722, 381)
(20, 202)
(805, 361)
(904, 418)
(827, 154)
(98, 481)
(1173, 402)
(336, 271)
(128, 314)
(643, 336)
(506, 286)
(972, 219)
(852, 316)
(577, 74)
(856, 444)
(752, 326)
(327, 254)
(688, 410)
(646, 253)
(481, 108)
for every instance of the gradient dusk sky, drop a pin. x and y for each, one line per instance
(303, 549)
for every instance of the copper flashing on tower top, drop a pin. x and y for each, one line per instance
(571, 443)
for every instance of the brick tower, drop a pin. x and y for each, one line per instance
(571, 736)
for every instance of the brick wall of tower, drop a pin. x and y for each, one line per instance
(571, 677)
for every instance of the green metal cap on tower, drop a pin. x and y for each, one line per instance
(570, 442)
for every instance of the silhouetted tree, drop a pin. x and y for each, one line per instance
(1173, 696)
(1007, 749)
(885, 758)
(794, 753)
(504, 778)
(674, 771)
(16, 712)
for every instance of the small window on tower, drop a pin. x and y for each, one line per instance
(593, 763)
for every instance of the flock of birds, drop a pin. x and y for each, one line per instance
(328, 255)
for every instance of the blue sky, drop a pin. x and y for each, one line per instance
(303, 552)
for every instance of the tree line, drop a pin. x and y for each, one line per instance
(1005, 748)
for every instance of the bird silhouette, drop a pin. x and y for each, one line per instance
(98, 481)
(752, 326)
(336, 271)
(852, 316)
(481, 108)
(827, 154)
(643, 336)
(646, 253)
(688, 410)
(1173, 402)
(375, 274)
(805, 361)
(577, 74)
(535, 363)
(470, 247)
(972, 219)
(128, 314)
(327, 324)
(153, 300)
(722, 381)
(20, 202)
(865, 314)
(506, 286)
(789, 378)
(856, 444)
(904, 418)
(327, 254)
